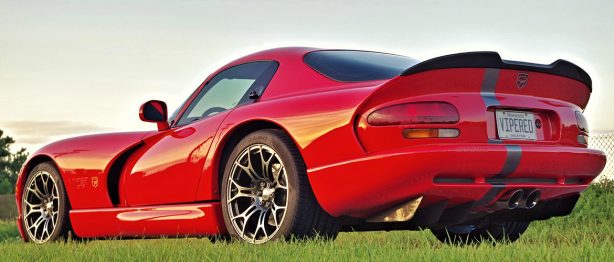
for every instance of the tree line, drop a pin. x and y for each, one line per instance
(10, 164)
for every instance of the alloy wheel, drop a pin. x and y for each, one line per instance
(257, 193)
(41, 206)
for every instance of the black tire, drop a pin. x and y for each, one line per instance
(220, 239)
(501, 232)
(304, 218)
(60, 217)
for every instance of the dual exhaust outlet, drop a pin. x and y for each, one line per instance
(519, 198)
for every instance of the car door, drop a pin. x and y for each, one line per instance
(172, 161)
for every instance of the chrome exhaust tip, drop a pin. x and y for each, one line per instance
(532, 199)
(510, 200)
(514, 199)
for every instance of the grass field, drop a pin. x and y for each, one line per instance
(587, 234)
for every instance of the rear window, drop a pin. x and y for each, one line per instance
(357, 66)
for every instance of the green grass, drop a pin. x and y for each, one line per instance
(587, 234)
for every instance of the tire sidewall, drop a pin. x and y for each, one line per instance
(62, 221)
(292, 170)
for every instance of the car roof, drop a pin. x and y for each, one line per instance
(291, 68)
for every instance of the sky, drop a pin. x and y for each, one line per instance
(77, 67)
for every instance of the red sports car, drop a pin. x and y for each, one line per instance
(304, 142)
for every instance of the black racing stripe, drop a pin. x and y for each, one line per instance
(512, 160)
(487, 91)
(514, 154)
(490, 195)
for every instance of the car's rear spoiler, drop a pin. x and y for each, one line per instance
(493, 60)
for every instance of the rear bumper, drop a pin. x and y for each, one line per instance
(454, 173)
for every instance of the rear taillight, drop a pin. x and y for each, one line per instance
(430, 133)
(415, 113)
(583, 127)
(582, 124)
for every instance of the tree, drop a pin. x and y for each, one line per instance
(10, 164)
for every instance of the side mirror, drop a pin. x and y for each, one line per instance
(155, 111)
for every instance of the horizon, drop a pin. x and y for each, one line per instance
(85, 68)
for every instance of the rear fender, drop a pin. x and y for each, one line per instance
(316, 122)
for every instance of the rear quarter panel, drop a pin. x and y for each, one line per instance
(321, 125)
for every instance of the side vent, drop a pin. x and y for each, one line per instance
(115, 172)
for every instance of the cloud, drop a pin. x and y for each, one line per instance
(37, 132)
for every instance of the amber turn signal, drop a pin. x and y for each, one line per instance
(430, 133)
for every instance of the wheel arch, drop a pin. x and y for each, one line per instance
(28, 166)
(21, 181)
(233, 137)
(319, 219)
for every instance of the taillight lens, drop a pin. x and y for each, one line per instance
(415, 113)
(582, 124)
(430, 133)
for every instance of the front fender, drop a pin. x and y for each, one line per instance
(83, 163)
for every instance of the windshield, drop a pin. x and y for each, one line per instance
(357, 66)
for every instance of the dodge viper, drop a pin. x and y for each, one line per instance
(297, 143)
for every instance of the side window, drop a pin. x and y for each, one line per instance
(229, 89)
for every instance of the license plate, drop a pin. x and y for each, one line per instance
(516, 125)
